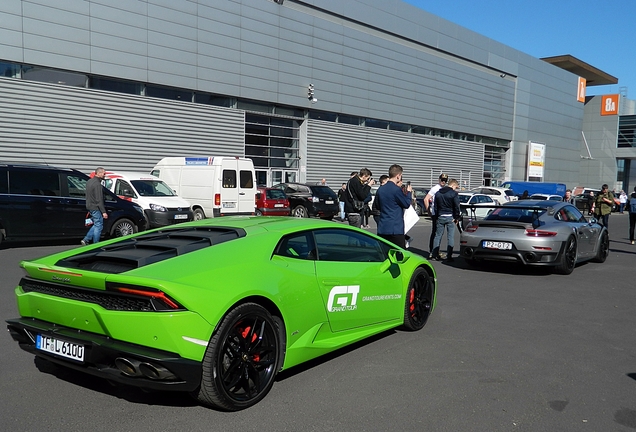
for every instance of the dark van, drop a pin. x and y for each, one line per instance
(44, 202)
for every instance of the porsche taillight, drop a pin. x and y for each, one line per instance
(539, 233)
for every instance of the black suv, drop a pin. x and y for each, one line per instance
(310, 200)
(45, 202)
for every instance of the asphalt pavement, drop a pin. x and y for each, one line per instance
(507, 349)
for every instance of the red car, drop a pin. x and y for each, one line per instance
(271, 202)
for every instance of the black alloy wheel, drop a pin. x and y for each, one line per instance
(242, 359)
(603, 248)
(419, 300)
(567, 261)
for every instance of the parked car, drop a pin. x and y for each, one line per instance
(419, 194)
(498, 194)
(162, 206)
(271, 202)
(535, 233)
(475, 206)
(308, 200)
(218, 307)
(539, 197)
(44, 202)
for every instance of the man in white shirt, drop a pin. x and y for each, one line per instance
(429, 203)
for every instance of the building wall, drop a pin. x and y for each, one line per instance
(370, 58)
(601, 133)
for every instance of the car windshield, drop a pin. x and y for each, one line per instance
(152, 188)
(512, 214)
(464, 198)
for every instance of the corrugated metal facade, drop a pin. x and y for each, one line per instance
(337, 148)
(83, 128)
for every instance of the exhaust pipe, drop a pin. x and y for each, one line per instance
(129, 367)
(468, 251)
(155, 372)
(530, 257)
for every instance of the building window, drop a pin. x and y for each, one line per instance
(118, 86)
(168, 93)
(271, 142)
(352, 120)
(399, 127)
(216, 100)
(9, 70)
(54, 76)
(627, 131)
(374, 123)
(323, 115)
(620, 171)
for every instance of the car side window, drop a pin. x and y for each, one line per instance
(348, 246)
(573, 214)
(297, 245)
(76, 186)
(4, 181)
(123, 188)
(34, 182)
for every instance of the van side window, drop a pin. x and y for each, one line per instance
(34, 182)
(76, 186)
(229, 179)
(4, 181)
(246, 179)
(122, 188)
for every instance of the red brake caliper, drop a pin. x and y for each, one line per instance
(411, 300)
(246, 332)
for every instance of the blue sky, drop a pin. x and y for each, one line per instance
(600, 33)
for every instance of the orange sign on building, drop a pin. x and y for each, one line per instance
(580, 96)
(609, 105)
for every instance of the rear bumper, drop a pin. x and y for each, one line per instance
(534, 258)
(101, 353)
(274, 211)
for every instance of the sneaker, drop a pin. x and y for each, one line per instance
(84, 243)
(436, 257)
(632, 241)
(408, 244)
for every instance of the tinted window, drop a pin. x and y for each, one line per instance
(247, 180)
(348, 246)
(515, 214)
(298, 245)
(4, 181)
(464, 198)
(323, 192)
(229, 179)
(275, 194)
(76, 186)
(34, 182)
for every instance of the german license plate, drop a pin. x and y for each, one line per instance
(60, 347)
(329, 202)
(279, 205)
(181, 216)
(229, 205)
(487, 244)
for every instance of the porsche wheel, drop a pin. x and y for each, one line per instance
(603, 248)
(419, 300)
(242, 359)
(123, 227)
(567, 261)
(300, 212)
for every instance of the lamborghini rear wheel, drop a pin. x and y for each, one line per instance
(242, 359)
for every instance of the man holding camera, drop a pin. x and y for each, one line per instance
(358, 189)
(392, 201)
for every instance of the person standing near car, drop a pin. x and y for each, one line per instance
(448, 213)
(568, 197)
(631, 208)
(341, 200)
(95, 206)
(622, 198)
(358, 189)
(429, 204)
(392, 202)
(603, 205)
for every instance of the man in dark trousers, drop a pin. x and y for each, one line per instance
(392, 201)
(95, 206)
(448, 213)
(429, 204)
(358, 188)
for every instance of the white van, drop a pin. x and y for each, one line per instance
(215, 186)
(162, 206)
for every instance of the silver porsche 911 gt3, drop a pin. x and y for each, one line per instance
(538, 233)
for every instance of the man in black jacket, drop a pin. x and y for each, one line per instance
(95, 206)
(448, 213)
(358, 188)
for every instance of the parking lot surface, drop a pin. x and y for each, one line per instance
(507, 349)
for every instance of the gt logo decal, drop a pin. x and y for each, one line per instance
(343, 298)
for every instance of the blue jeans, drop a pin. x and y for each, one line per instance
(342, 212)
(444, 222)
(93, 235)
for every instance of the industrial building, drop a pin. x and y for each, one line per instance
(307, 89)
